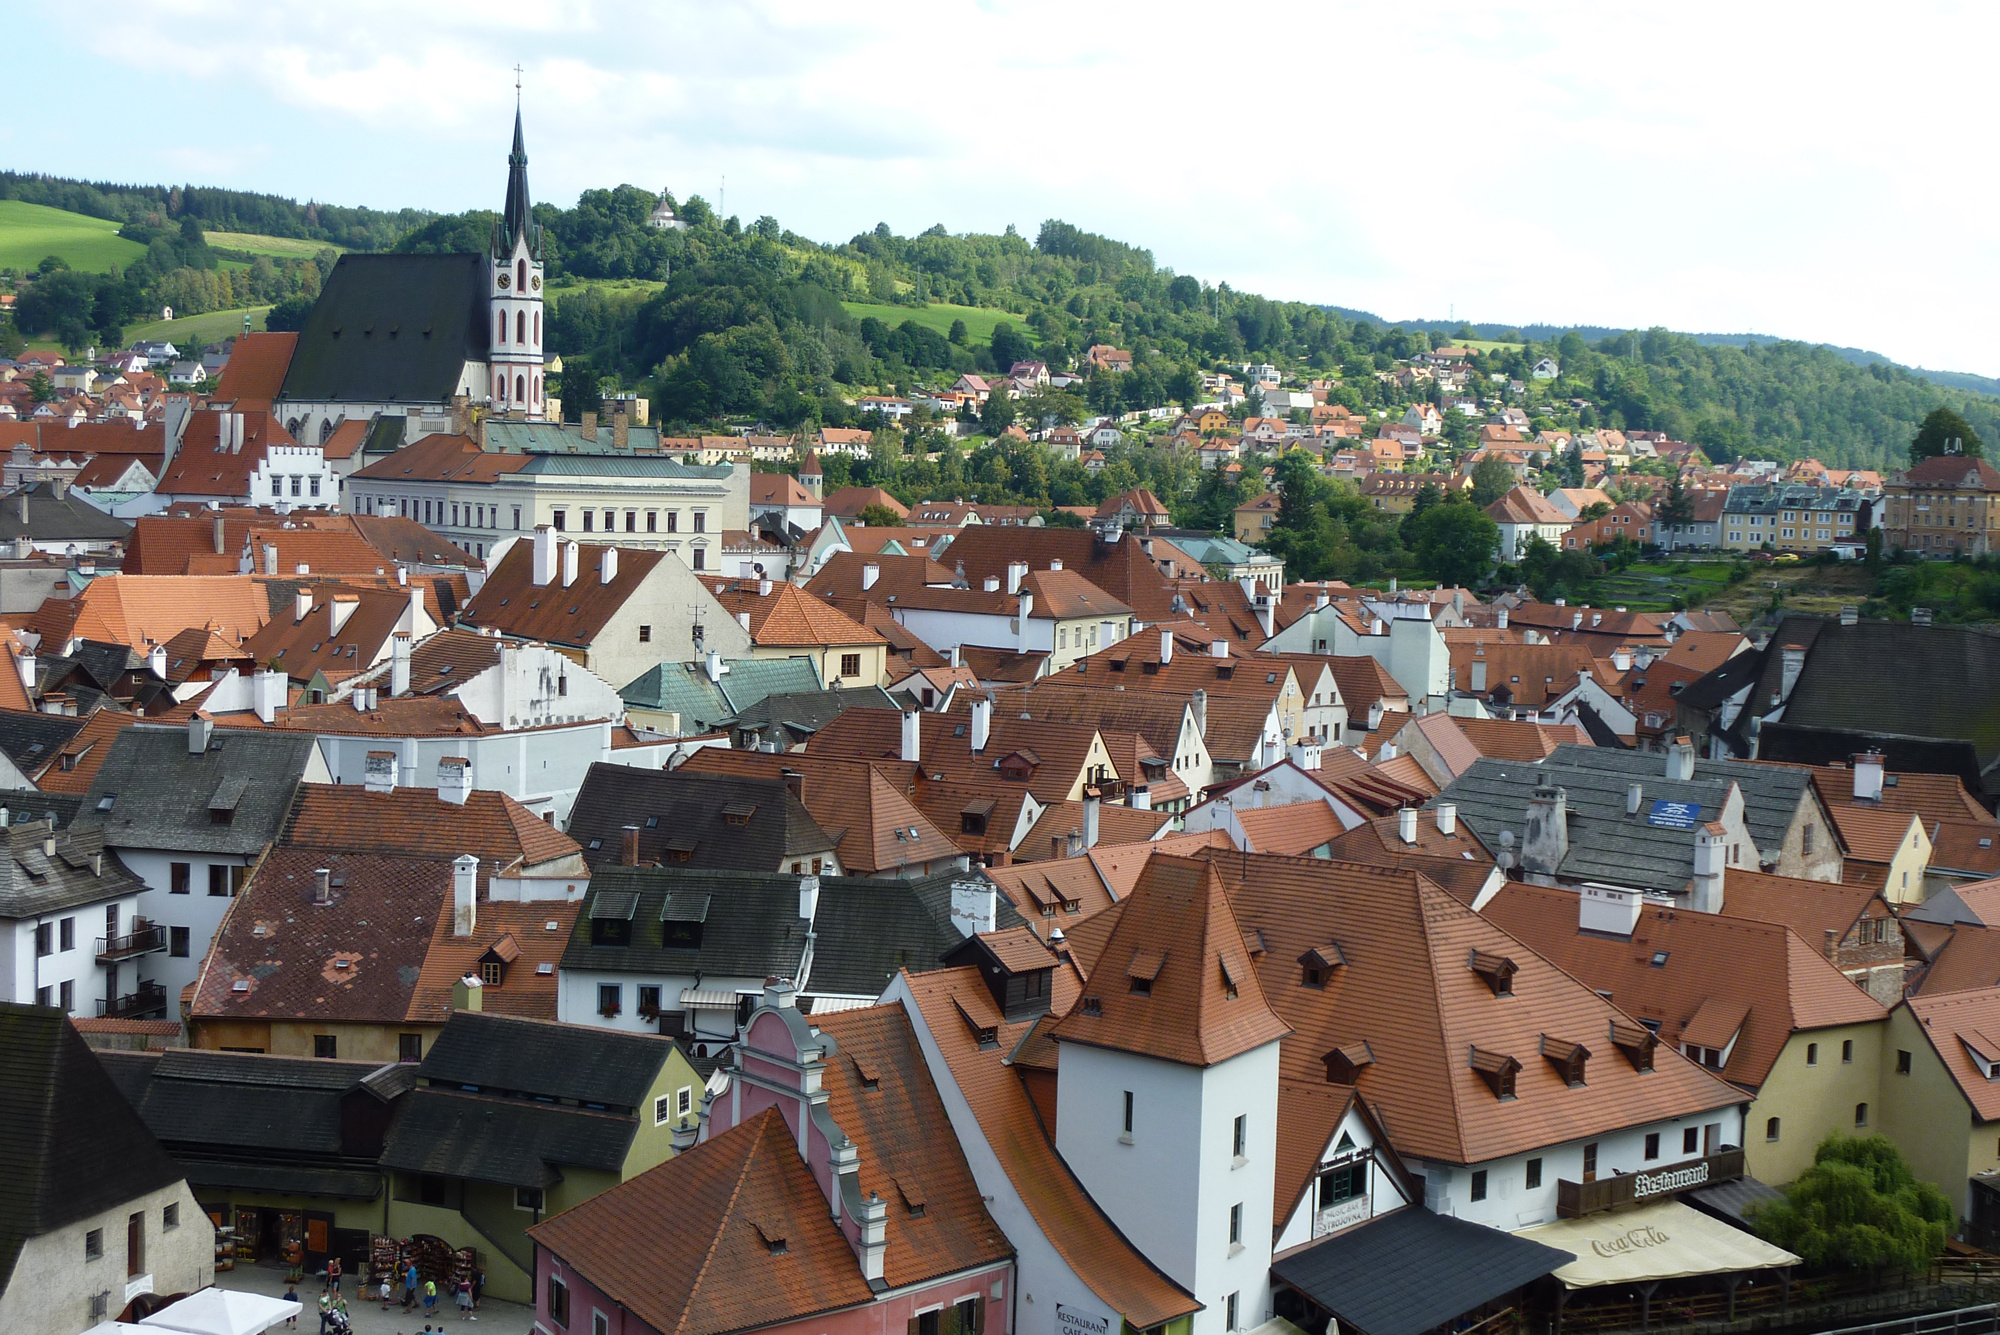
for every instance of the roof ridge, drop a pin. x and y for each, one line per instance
(750, 1152)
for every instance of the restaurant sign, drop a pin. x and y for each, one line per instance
(1576, 1199)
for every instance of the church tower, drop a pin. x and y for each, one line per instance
(514, 296)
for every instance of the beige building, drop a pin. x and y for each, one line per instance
(783, 621)
(1944, 506)
(1791, 517)
(1940, 1099)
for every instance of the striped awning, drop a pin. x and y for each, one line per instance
(708, 998)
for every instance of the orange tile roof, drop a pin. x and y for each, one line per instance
(1936, 797)
(201, 468)
(1064, 1213)
(1203, 1004)
(416, 822)
(511, 602)
(1958, 1021)
(851, 800)
(75, 767)
(530, 934)
(1871, 834)
(256, 368)
(347, 438)
(1966, 846)
(1961, 958)
(1115, 825)
(1457, 862)
(442, 458)
(788, 617)
(138, 610)
(1299, 827)
(1809, 908)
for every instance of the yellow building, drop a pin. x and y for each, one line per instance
(1889, 843)
(1788, 517)
(785, 622)
(1944, 506)
(1940, 1099)
(1813, 1090)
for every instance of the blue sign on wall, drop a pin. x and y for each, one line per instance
(1674, 815)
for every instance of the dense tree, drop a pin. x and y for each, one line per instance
(1859, 1206)
(1491, 479)
(1455, 542)
(1944, 431)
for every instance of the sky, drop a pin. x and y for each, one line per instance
(1812, 171)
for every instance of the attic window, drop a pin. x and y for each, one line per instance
(1144, 969)
(1496, 971)
(1093, 1005)
(652, 822)
(1497, 1070)
(1344, 1063)
(1568, 1059)
(773, 1236)
(1117, 665)
(1149, 668)
(104, 803)
(1318, 964)
(912, 1193)
(1637, 1043)
(739, 813)
(1660, 958)
(866, 1072)
(595, 844)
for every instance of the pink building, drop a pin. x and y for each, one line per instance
(821, 1198)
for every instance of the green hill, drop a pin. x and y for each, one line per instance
(29, 233)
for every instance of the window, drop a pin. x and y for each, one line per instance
(528, 1198)
(1236, 1225)
(1771, 1128)
(326, 1045)
(850, 665)
(1479, 1184)
(1652, 1144)
(177, 942)
(1812, 1054)
(600, 1324)
(700, 559)
(1240, 1136)
(1690, 1140)
(66, 995)
(684, 1100)
(178, 874)
(1861, 1114)
(610, 998)
(93, 1245)
(1846, 1051)
(1128, 1112)
(1590, 1162)
(589, 518)
(645, 634)
(135, 1243)
(170, 1217)
(1808, 840)
(1902, 1061)
(67, 934)
(218, 880)
(631, 520)
(44, 939)
(1343, 1183)
(1230, 1306)
(652, 521)
(557, 519)
(610, 521)
(517, 519)
(701, 521)
(44, 996)
(673, 521)
(558, 1302)
(1534, 1178)
(489, 973)
(409, 1047)
(662, 1107)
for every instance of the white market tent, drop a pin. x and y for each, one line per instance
(1654, 1242)
(220, 1312)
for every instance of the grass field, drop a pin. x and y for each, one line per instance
(979, 321)
(29, 233)
(196, 330)
(554, 295)
(279, 247)
(1487, 345)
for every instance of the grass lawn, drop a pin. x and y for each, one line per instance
(282, 247)
(645, 286)
(979, 321)
(1488, 345)
(195, 330)
(31, 232)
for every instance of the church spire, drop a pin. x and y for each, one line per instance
(517, 221)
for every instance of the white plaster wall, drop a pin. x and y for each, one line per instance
(197, 910)
(53, 1282)
(1245, 1085)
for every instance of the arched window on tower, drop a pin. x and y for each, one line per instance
(520, 326)
(502, 336)
(538, 389)
(521, 277)
(520, 388)
(538, 329)
(500, 389)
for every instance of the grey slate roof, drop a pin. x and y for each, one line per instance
(1771, 793)
(57, 519)
(161, 794)
(28, 805)
(70, 1147)
(866, 927)
(1605, 844)
(791, 719)
(693, 813)
(685, 688)
(515, 1142)
(32, 740)
(33, 881)
(1413, 1271)
(391, 329)
(1889, 677)
(540, 1058)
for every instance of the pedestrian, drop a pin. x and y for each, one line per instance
(430, 1297)
(410, 1287)
(387, 1284)
(291, 1296)
(333, 1274)
(325, 1311)
(464, 1291)
(478, 1285)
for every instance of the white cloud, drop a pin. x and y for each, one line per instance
(1709, 166)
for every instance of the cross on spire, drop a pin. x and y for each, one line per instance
(517, 83)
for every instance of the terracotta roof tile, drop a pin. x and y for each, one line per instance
(76, 765)
(201, 468)
(525, 935)
(852, 797)
(416, 822)
(1871, 834)
(1296, 828)
(1966, 846)
(1115, 825)
(788, 617)
(256, 368)
(136, 610)
(511, 602)
(1956, 1022)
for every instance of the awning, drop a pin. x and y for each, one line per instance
(1666, 1240)
(222, 1312)
(1411, 1271)
(707, 998)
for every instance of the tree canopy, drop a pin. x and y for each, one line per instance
(1859, 1206)
(1944, 431)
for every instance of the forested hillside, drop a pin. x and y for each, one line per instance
(216, 210)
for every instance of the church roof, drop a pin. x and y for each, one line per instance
(391, 329)
(518, 218)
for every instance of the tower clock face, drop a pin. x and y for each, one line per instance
(506, 281)
(536, 282)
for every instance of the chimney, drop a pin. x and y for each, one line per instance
(1709, 854)
(874, 1237)
(982, 723)
(302, 605)
(743, 620)
(323, 886)
(270, 557)
(1850, 615)
(1218, 648)
(628, 851)
(268, 692)
(1680, 759)
(1478, 670)
(1447, 817)
(1027, 609)
(1792, 661)
(1596, 619)
(607, 565)
(399, 664)
(1611, 912)
(809, 897)
(764, 588)
(1406, 825)
(1090, 823)
(1576, 620)
(24, 663)
(1139, 798)
(570, 554)
(913, 732)
(1868, 777)
(870, 572)
(795, 784)
(219, 540)
(991, 584)
(156, 661)
(587, 423)
(1016, 572)
(1621, 658)
(378, 772)
(545, 555)
(1500, 621)
(973, 907)
(464, 902)
(1832, 945)
(468, 994)
(454, 779)
(1634, 794)
(621, 428)
(714, 666)
(200, 726)
(1200, 706)
(1267, 615)
(1166, 647)
(1545, 841)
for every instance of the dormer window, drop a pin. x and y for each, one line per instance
(1344, 1063)
(1636, 1042)
(611, 918)
(1144, 969)
(1317, 965)
(1496, 971)
(739, 813)
(1568, 1059)
(1498, 1071)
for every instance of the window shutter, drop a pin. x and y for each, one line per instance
(913, 1326)
(948, 1323)
(978, 1316)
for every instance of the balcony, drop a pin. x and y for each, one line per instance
(148, 1003)
(1575, 1199)
(143, 939)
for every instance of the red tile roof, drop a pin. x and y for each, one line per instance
(256, 369)
(416, 822)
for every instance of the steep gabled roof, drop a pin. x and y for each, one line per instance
(163, 796)
(721, 823)
(391, 329)
(878, 828)
(416, 822)
(256, 369)
(1954, 1024)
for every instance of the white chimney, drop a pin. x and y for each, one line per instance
(464, 902)
(1710, 855)
(991, 584)
(1166, 647)
(268, 693)
(378, 772)
(1600, 908)
(809, 897)
(973, 907)
(714, 665)
(323, 885)
(200, 727)
(1500, 621)
(156, 661)
(1596, 619)
(1016, 572)
(343, 608)
(545, 555)
(1218, 648)
(1868, 777)
(24, 663)
(913, 732)
(302, 605)
(764, 588)
(1791, 662)
(1634, 793)
(454, 779)
(1447, 817)
(1621, 659)
(1267, 614)
(270, 556)
(399, 664)
(1139, 798)
(1090, 821)
(360, 699)
(570, 556)
(1406, 825)
(607, 565)
(743, 620)
(1680, 759)
(870, 572)
(982, 723)
(1027, 609)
